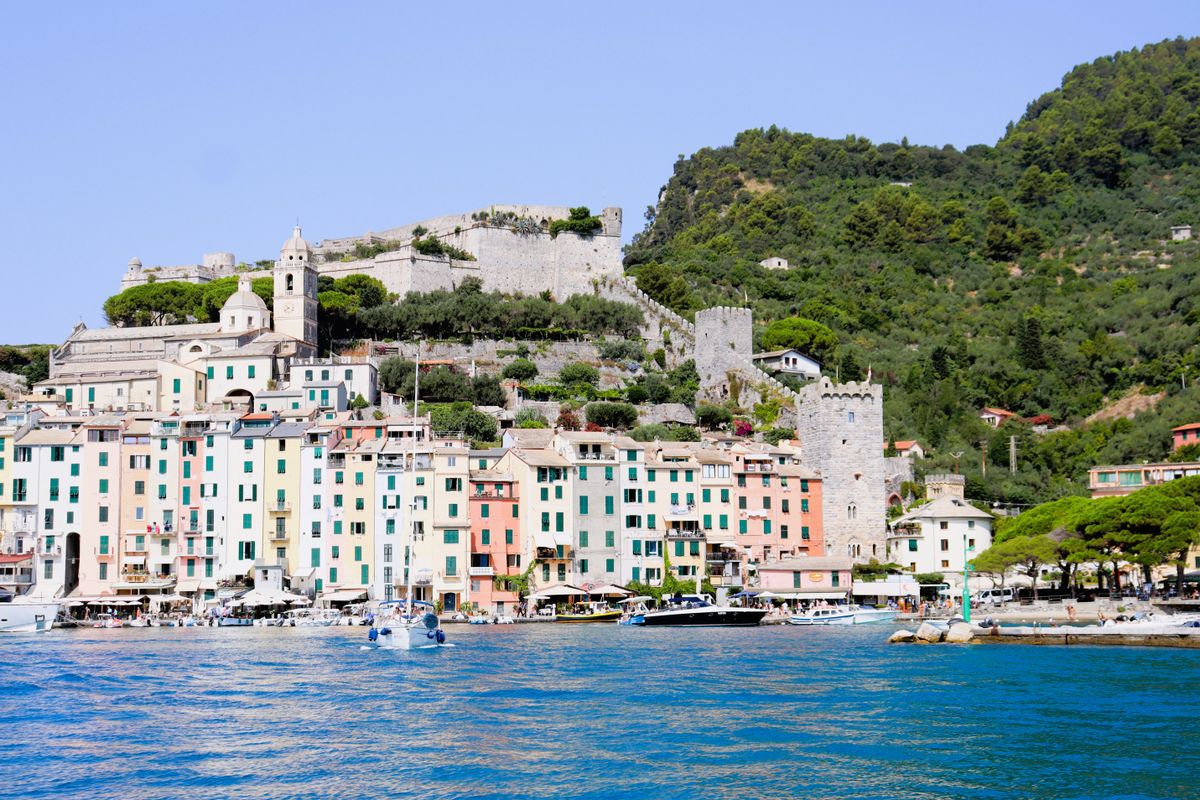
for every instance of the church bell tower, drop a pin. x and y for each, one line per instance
(296, 291)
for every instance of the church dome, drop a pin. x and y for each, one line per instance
(295, 245)
(244, 310)
(244, 299)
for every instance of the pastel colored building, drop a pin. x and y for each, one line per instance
(808, 579)
(496, 547)
(939, 536)
(1184, 435)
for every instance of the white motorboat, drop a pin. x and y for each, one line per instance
(864, 615)
(829, 615)
(107, 621)
(399, 630)
(21, 616)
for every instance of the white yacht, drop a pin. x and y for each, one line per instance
(19, 615)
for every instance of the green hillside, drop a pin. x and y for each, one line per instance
(1036, 275)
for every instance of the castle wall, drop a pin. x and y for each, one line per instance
(840, 427)
(505, 262)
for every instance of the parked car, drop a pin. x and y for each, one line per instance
(995, 596)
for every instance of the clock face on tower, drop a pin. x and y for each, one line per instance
(287, 308)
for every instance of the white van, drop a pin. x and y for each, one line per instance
(995, 596)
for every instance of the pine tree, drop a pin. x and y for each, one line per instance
(1029, 344)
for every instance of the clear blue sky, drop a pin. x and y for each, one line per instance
(168, 130)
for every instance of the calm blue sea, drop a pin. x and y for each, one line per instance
(592, 711)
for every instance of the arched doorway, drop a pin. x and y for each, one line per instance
(71, 561)
(240, 397)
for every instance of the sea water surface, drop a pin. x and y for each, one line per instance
(590, 711)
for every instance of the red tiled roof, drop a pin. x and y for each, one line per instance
(16, 558)
(1191, 426)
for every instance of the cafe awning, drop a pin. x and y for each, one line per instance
(186, 585)
(345, 595)
(811, 595)
(887, 589)
(561, 590)
(610, 590)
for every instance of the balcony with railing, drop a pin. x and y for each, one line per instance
(491, 495)
(684, 530)
(279, 506)
(422, 577)
(279, 535)
(159, 429)
(481, 572)
(759, 466)
(681, 511)
(601, 456)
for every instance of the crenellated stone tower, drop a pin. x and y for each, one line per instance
(840, 427)
(296, 291)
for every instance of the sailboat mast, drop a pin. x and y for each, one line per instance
(412, 487)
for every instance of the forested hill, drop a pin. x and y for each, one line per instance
(1036, 275)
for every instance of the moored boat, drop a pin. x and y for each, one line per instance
(828, 615)
(864, 615)
(695, 610)
(591, 612)
(17, 616)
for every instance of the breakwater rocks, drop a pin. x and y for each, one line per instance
(1135, 635)
(957, 633)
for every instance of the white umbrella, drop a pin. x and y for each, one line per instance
(610, 590)
(641, 598)
(766, 596)
(562, 591)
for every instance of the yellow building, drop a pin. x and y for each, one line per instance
(281, 491)
(545, 511)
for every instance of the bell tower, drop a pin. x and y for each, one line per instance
(296, 291)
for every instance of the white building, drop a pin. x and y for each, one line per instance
(940, 536)
(788, 362)
(359, 376)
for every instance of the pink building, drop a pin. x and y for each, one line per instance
(1185, 435)
(807, 579)
(495, 540)
(778, 505)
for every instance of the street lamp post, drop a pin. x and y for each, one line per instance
(966, 583)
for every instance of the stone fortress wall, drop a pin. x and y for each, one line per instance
(505, 261)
